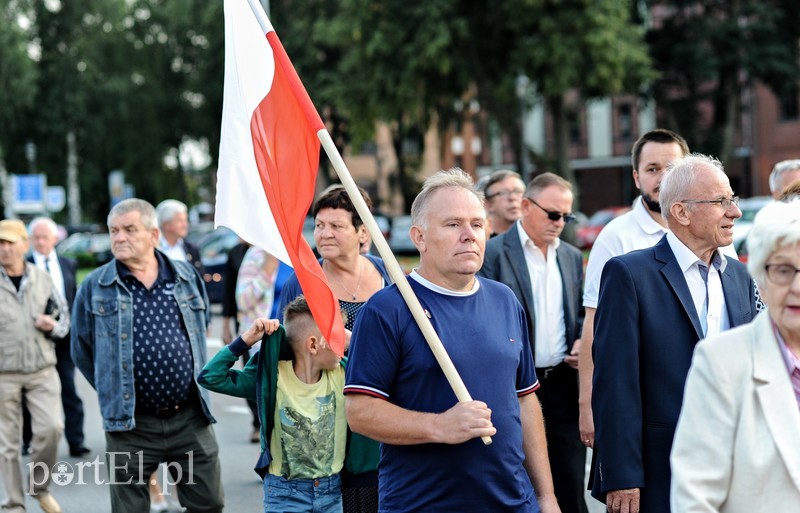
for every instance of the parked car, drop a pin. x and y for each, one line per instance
(308, 231)
(88, 249)
(587, 233)
(399, 239)
(749, 207)
(214, 248)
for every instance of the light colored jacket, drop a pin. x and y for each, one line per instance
(23, 348)
(737, 445)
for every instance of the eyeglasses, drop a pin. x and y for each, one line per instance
(723, 202)
(781, 274)
(551, 215)
(505, 193)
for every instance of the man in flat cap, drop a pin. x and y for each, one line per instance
(32, 313)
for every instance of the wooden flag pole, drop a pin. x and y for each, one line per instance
(395, 272)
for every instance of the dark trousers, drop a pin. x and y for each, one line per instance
(73, 406)
(559, 398)
(186, 442)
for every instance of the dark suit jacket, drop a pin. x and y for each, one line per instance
(504, 261)
(193, 256)
(68, 269)
(646, 328)
(229, 278)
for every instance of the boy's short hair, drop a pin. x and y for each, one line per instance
(298, 321)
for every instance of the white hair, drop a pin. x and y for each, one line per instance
(777, 225)
(46, 221)
(168, 209)
(781, 167)
(679, 178)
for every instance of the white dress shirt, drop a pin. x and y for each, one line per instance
(51, 262)
(550, 341)
(713, 316)
(633, 230)
(174, 252)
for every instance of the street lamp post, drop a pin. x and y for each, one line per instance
(521, 83)
(30, 156)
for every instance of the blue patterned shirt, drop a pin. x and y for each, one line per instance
(162, 354)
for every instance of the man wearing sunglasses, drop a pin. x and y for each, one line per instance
(655, 304)
(545, 274)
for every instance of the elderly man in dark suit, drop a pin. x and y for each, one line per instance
(654, 306)
(545, 274)
(173, 221)
(44, 235)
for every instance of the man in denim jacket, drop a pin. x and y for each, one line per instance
(139, 325)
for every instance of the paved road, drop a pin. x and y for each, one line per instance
(243, 490)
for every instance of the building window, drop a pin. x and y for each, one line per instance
(625, 120)
(789, 104)
(574, 122)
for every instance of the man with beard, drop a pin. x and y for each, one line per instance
(640, 228)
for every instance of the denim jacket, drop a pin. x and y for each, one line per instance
(102, 337)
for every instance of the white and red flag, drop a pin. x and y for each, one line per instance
(269, 155)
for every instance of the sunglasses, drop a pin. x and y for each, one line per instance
(551, 215)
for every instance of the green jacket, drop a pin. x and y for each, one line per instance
(258, 382)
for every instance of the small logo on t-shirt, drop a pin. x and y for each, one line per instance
(511, 340)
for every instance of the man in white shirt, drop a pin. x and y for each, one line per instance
(640, 228)
(173, 221)
(545, 273)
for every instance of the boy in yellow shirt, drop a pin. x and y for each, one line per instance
(296, 381)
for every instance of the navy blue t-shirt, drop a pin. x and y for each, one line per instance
(486, 336)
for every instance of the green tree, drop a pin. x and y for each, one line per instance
(404, 62)
(17, 69)
(393, 61)
(180, 49)
(707, 51)
(587, 46)
(132, 80)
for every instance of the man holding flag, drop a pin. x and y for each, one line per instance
(269, 156)
(432, 458)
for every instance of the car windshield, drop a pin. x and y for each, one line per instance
(601, 218)
(749, 214)
(217, 243)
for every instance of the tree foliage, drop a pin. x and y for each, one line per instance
(132, 80)
(398, 62)
(706, 51)
(17, 70)
(136, 79)
(591, 47)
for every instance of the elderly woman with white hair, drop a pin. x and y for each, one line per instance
(737, 445)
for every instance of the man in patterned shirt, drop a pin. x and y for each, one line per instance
(139, 325)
